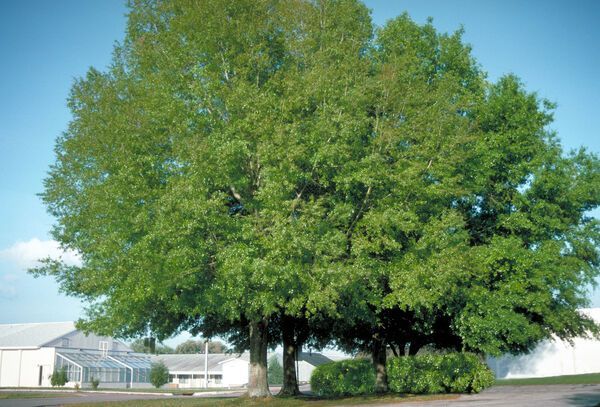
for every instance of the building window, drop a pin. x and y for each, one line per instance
(103, 346)
(65, 342)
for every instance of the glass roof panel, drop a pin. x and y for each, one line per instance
(91, 360)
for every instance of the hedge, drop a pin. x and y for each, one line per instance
(424, 374)
(435, 373)
(343, 378)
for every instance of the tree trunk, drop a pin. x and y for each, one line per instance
(290, 381)
(257, 379)
(379, 356)
(413, 348)
(393, 348)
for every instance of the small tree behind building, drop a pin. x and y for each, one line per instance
(274, 371)
(159, 374)
(197, 346)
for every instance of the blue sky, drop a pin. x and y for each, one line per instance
(554, 46)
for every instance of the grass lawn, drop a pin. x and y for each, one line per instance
(592, 378)
(271, 402)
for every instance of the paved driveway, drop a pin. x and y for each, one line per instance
(576, 395)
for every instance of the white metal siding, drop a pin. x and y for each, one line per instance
(304, 371)
(79, 340)
(21, 367)
(9, 371)
(551, 358)
(235, 372)
(31, 360)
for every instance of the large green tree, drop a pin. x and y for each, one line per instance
(190, 176)
(269, 170)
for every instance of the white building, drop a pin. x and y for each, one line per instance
(227, 370)
(30, 353)
(306, 363)
(552, 358)
(224, 370)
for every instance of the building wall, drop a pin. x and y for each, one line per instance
(304, 371)
(235, 373)
(550, 358)
(21, 367)
(187, 380)
(553, 358)
(79, 340)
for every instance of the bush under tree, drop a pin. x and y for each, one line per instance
(439, 373)
(343, 378)
(423, 374)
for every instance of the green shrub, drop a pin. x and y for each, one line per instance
(343, 378)
(435, 373)
(59, 377)
(274, 371)
(94, 383)
(159, 374)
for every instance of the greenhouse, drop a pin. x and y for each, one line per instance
(115, 369)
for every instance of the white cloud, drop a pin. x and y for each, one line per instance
(26, 255)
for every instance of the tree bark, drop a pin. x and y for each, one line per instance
(257, 379)
(290, 347)
(379, 356)
(393, 348)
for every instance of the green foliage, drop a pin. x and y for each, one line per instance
(439, 373)
(343, 378)
(159, 374)
(140, 345)
(94, 383)
(59, 377)
(198, 346)
(274, 371)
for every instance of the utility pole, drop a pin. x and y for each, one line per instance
(206, 363)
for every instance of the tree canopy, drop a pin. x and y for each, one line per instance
(284, 169)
